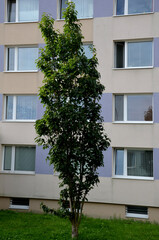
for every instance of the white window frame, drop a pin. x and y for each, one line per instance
(25, 207)
(16, 58)
(125, 176)
(90, 44)
(125, 109)
(126, 53)
(136, 215)
(13, 160)
(16, 14)
(14, 110)
(59, 11)
(126, 9)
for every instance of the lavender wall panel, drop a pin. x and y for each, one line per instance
(156, 5)
(2, 10)
(42, 45)
(156, 107)
(156, 51)
(106, 102)
(48, 6)
(40, 109)
(103, 8)
(106, 171)
(156, 163)
(41, 166)
(1, 106)
(1, 58)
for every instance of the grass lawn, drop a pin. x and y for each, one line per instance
(29, 226)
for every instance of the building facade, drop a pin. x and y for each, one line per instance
(126, 36)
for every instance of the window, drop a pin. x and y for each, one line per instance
(23, 10)
(19, 159)
(124, 7)
(21, 58)
(83, 7)
(133, 54)
(133, 163)
(87, 50)
(137, 211)
(20, 107)
(133, 108)
(19, 203)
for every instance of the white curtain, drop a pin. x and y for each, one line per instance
(140, 163)
(139, 54)
(119, 162)
(28, 10)
(9, 107)
(87, 50)
(11, 55)
(26, 107)
(26, 58)
(7, 158)
(24, 159)
(84, 8)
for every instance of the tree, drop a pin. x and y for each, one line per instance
(71, 127)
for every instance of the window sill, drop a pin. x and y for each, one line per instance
(133, 14)
(23, 71)
(134, 122)
(18, 121)
(19, 207)
(131, 215)
(21, 22)
(133, 68)
(84, 18)
(134, 178)
(18, 173)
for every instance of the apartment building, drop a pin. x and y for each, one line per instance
(126, 36)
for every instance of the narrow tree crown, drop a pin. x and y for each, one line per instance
(71, 126)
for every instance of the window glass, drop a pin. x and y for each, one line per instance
(139, 163)
(10, 59)
(26, 58)
(21, 107)
(26, 107)
(119, 162)
(119, 108)
(139, 54)
(9, 107)
(11, 9)
(84, 8)
(139, 6)
(120, 51)
(87, 50)
(7, 158)
(28, 10)
(139, 107)
(120, 7)
(63, 6)
(24, 159)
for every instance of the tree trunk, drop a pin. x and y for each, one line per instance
(74, 231)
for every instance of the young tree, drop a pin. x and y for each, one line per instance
(71, 127)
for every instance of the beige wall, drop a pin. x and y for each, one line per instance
(17, 133)
(4, 202)
(96, 210)
(133, 135)
(29, 33)
(20, 83)
(29, 186)
(111, 29)
(115, 191)
(100, 210)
